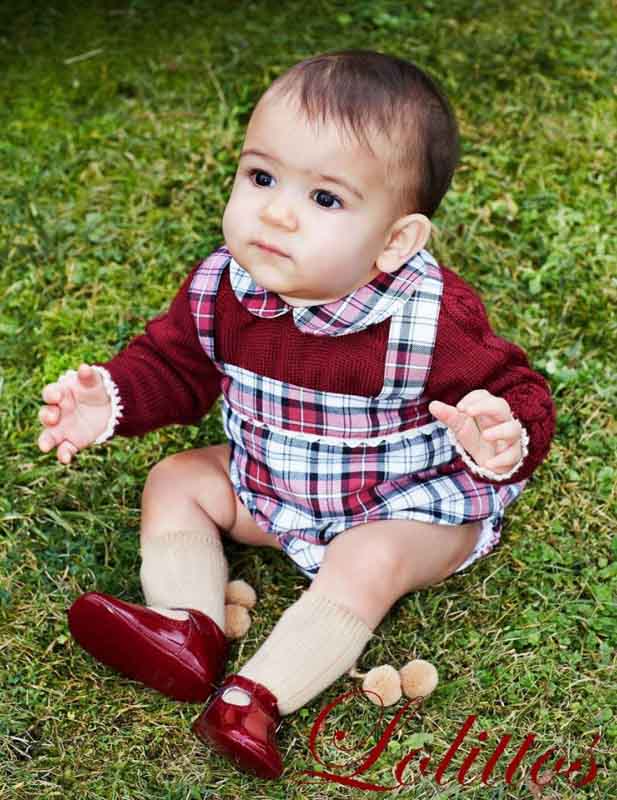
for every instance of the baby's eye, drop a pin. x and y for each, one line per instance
(329, 198)
(256, 175)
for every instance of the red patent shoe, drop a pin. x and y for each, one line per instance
(180, 658)
(245, 734)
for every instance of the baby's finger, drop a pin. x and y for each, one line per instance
(475, 396)
(66, 451)
(492, 406)
(510, 430)
(87, 376)
(49, 415)
(47, 440)
(465, 429)
(67, 377)
(508, 458)
(442, 411)
(52, 393)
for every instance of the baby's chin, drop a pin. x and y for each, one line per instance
(266, 272)
(273, 279)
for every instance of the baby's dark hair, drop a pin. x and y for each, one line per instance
(367, 92)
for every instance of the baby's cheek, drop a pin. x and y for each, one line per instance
(227, 222)
(331, 243)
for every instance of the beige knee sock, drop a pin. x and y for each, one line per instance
(314, 642)
(185, 569)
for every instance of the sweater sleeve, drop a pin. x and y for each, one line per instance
(468, 355)
(163, 376)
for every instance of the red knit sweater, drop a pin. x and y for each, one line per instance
(165, 377)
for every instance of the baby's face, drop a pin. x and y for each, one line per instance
(328, 234)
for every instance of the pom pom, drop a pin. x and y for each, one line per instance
(418, 678)
(384, 681)
(240, 593)
(237, 621)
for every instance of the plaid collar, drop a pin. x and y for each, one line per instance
(367, 305)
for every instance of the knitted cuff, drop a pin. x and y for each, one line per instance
(116, 405)
(180, 538)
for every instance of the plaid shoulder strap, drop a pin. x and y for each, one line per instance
(202, 293)
(413, 330)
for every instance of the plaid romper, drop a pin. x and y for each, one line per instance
(310, 464)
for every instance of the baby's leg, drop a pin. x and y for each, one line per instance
(368, 568)
(188, 501)
(365, 570)
(193, 490)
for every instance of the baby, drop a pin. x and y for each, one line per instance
(377, 428)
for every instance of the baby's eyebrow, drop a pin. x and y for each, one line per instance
(331, 178)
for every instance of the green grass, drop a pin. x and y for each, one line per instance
(114, 172)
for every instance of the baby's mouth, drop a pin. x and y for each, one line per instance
(268, 248)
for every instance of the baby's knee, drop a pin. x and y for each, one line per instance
(171, 476)
(370, 563)
(384, 573)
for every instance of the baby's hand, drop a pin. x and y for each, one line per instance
(484, 426)
(77, 411)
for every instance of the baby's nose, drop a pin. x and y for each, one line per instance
(279, 212)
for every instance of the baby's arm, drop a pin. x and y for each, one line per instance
(162, 377)
(469, 357)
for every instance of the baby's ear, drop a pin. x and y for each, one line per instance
(406, 237)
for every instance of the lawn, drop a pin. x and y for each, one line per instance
(120, 125)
